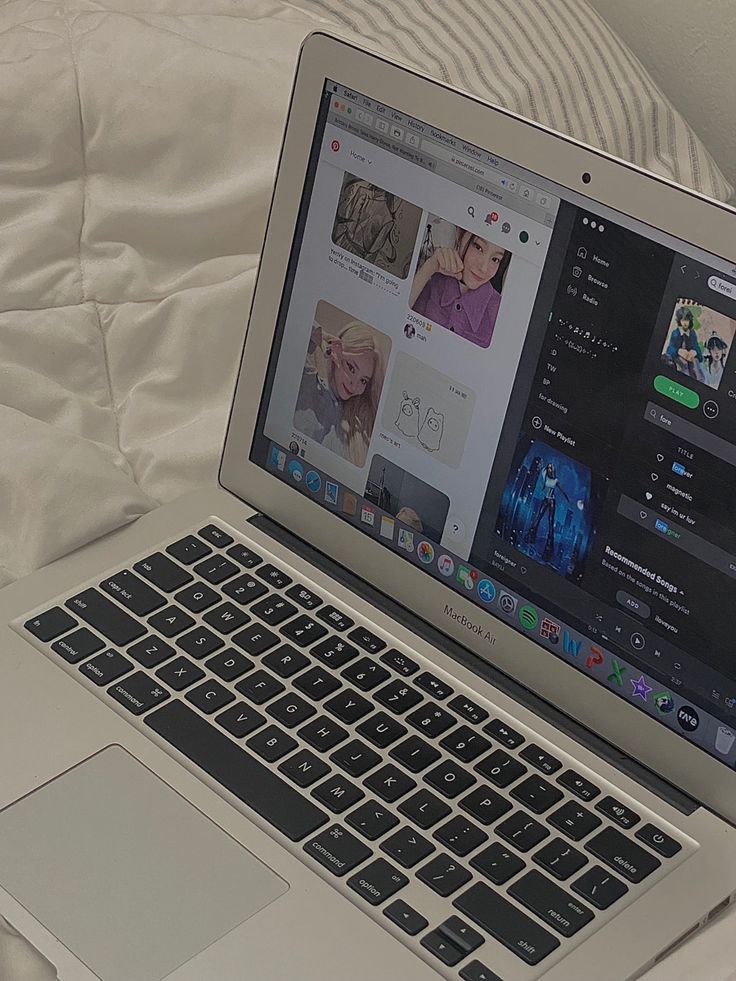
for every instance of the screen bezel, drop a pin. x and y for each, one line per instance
(624, 187)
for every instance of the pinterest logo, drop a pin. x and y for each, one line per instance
(335, 145)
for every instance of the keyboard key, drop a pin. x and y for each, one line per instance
(348, 706)
(559, 858)
(334, 652)
(162, 572)
(138, 693)
(335, 618)
(365, 674)
(338, 793)
(466, 744)
(449, 778)
(623, 855)
(367, 640)
(106, 667)
(540, 758)
(291, 710)
(389, 783)
(78, 645)
(504, 734)
(200, 642)
(259, 687)
(618, 812)
(485, 804)
(210, 696)
(132, 593)
(424, 809)
(408, 847)
(355, 758)
(372, 820)
(443, 875)
(271, 743)
(500, 768)
(459, 933)
(215, 536)
(273, 609)
(433, 685)
(506, 923)
(550, 903)
(378, 881)
(244, 589)
(197, 596)
(438, 944)
(229, 664)
(180, 673)
(599, 887)
(304, 768)
(151, 651)
(216, 569)
(468, 710)
(381, 730)
(399, 662)
(405, 917)
(497, 863)
(475, 971)
(244, 556)
(658, 840)
(317, 683)
(337, 850)
(255, 639)
(574, 820)
(99, 612)
(258, 787)
(536, 794)
(460, 836)
(323, 734)
(226, 618)
(398, 697)
(188, 549)
(304, 631)
(431, 720)
(578, 785)
(522, 831)
(303, 596)
(273, 576)
(285, 661)
(415, 754)
(171, 621)
(240, 720)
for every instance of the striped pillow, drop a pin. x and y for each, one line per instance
(557, 62)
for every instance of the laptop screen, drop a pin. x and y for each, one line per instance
(526, 394)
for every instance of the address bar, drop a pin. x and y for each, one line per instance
(462, 160)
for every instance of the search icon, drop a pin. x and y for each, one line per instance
(471, 211)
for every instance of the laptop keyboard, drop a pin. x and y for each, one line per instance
(443, 819)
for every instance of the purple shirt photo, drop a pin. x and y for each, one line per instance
(470, 314)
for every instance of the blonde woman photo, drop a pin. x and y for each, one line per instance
(341, 387)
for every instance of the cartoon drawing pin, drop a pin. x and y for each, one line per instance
(430, 435)
(407, 421)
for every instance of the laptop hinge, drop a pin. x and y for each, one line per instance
(590, 740)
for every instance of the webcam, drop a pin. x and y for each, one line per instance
(587, 178)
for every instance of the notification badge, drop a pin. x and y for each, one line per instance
(335, 146)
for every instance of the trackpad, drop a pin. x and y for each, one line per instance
(126, 873)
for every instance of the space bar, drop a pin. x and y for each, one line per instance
(236, 770)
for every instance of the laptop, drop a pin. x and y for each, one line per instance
(437, 682)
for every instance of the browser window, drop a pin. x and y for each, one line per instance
(528, 395)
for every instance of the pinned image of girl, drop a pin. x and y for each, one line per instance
(683, 352)
(460, 288)
(714, 360)
(340, 388)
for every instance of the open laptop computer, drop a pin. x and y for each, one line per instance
(437, 683)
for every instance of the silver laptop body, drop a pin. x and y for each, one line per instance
(434, 684)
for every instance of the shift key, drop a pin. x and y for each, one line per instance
(507, 923)
(101, 613)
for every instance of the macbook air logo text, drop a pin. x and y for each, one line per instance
(463, 621)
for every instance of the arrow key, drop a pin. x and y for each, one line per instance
(405, 917)
(475, 971)
(460, 934)
(438, 944)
